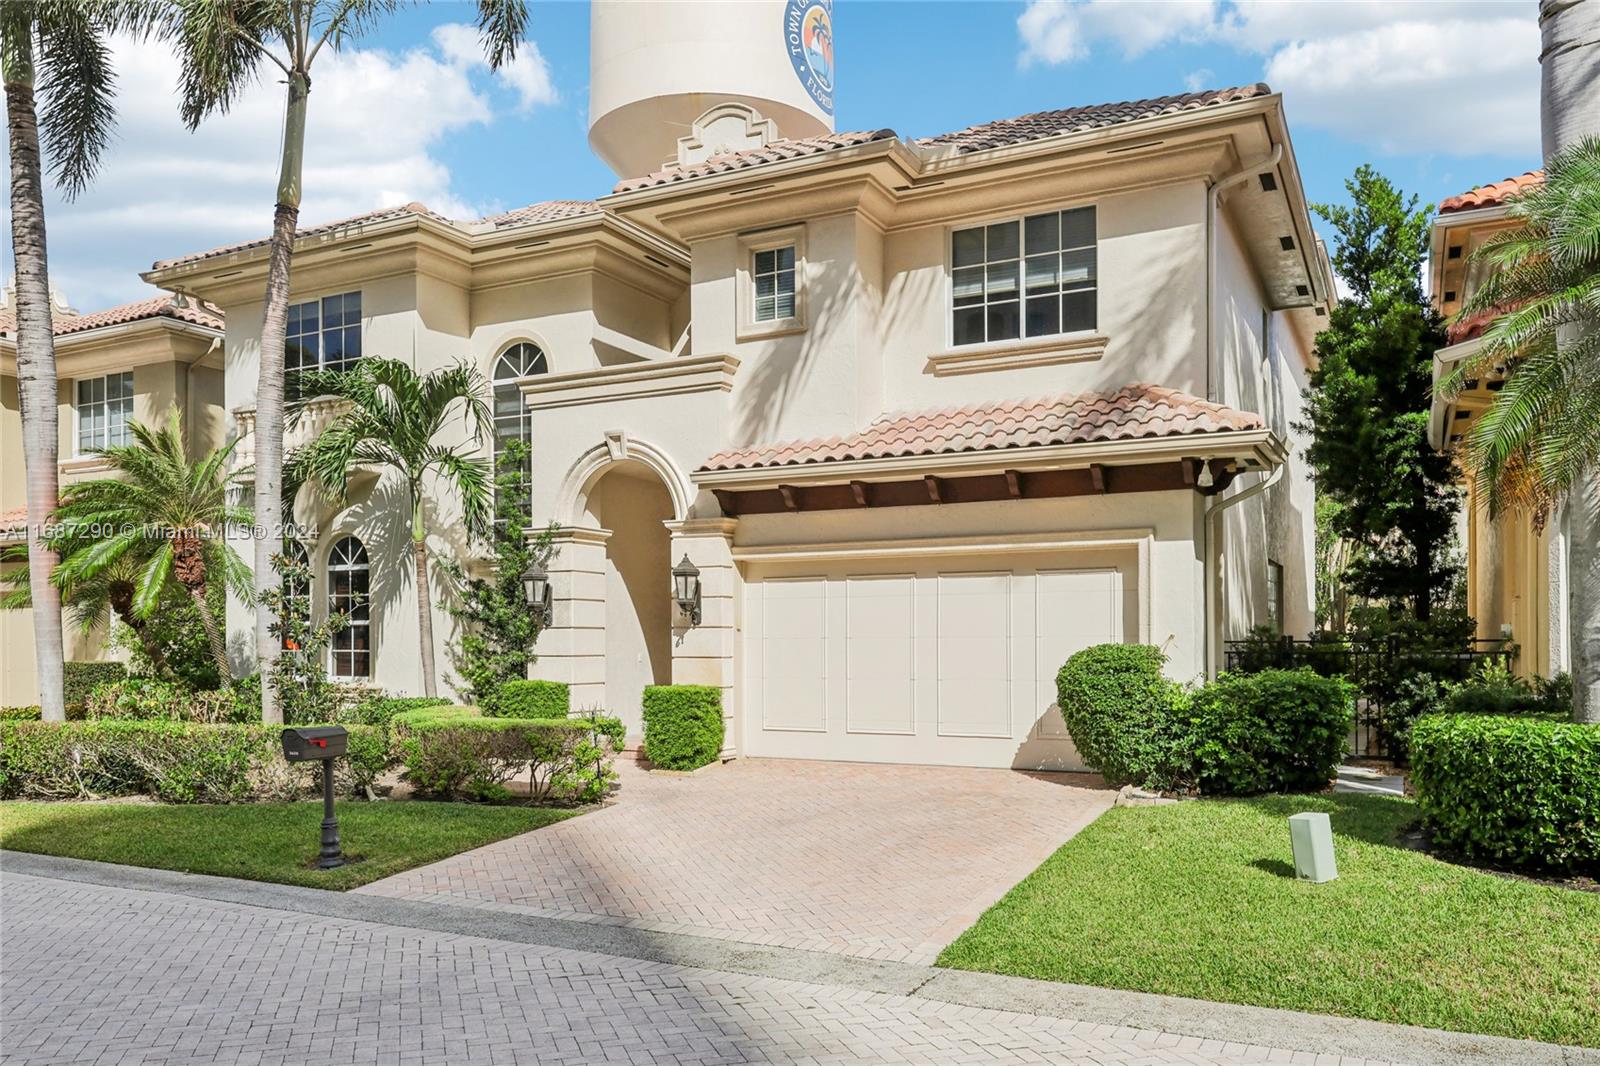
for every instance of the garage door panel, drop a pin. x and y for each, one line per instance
(794, 655)
(974, 653)
(880, 654)
(1074, 609)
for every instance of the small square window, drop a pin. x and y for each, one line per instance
(323, 334)
(1032, 277)
(104, 407)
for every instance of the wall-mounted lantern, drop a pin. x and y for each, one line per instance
(686, 589)
(536, 589)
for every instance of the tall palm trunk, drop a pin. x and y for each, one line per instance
(189, 567)
(419, 548)
(1569, 111)
(269, 383)
(36, 372)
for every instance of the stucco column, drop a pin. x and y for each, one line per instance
(572, 648)
(707, 654)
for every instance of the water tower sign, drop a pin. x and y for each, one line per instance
(808, 34)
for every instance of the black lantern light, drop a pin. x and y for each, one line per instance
(536, 588)
(686, 589)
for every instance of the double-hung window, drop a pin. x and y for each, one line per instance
(773, 273)
(324, 334)
(1023, 278)
(105, 407)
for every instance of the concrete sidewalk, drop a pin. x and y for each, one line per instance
(104, 963)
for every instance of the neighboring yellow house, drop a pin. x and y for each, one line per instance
(1516, 574)
(131, 362)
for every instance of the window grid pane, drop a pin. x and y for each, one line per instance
(323, 334)
(349, 588)
(1036, 277)
(774, 275)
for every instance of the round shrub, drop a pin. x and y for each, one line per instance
(1275, 731)
(528, 699)
(1124, 715)
(1520, 791)
(682, 725)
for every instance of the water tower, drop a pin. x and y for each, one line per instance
(657, 66)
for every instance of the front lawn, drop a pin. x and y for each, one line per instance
(264, 841)
(1198, 899)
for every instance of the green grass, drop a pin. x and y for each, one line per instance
(1198, 899)
(264, 841)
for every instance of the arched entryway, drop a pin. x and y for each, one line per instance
(629, 499)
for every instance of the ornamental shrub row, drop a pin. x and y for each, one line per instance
(1272, 731)
(528, 699)
(78, 679)
(1516, 790)
(456, 752)
(682, 725)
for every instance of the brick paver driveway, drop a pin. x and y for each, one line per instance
(887, 862)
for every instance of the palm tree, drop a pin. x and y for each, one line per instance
(56, 66)
(162, 516)
(392, 418)
(223, 45)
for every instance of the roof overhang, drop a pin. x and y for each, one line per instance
(1449, 414)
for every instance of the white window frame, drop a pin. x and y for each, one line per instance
(1022, 340)
(78, 450)
(765, 241)
(328, 570)
(322, 328)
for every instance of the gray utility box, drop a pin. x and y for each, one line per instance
(1311, 839)
(314, 743)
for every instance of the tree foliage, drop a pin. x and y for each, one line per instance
(496, 630)
(1367, 403)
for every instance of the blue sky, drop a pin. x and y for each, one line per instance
(1438, 96)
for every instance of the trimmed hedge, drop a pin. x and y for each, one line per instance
(458, 753)
(682, 725)
(380, 710)
(179, 762)
(1520, 791)
(80, 678)
(1273, 731)
(529, 699)
(1123, 715)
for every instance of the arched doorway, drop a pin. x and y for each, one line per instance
(630, 500)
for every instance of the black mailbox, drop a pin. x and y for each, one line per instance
(313, 743)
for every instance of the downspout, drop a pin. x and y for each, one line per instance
(1213, 545)
(1214, 193)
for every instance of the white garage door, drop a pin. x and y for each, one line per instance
(932, 665)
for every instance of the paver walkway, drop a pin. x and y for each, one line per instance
(884, 862)
(92, 973)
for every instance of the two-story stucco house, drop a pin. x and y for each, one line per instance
(125, 363)
(924, 415)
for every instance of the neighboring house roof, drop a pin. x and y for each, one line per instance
(996, 134)
(1131, 413)
(1491, 195)
(13, 525)
(163, 306)
(547, 211)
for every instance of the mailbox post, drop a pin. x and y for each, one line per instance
(323, 744)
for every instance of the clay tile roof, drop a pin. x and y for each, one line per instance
(547, 211)
(383, 215)
(1131, 413)
(13, 524)
(1043, 124)
(1491, 195)
(775, 152)
(198, 313)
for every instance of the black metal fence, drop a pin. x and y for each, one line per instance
(1375, 666)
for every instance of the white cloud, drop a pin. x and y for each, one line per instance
(528, 75)
(1457, 79)
(376, 120)
(1196, 80)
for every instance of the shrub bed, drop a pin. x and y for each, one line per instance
(529, 699)
(1273, 731)
(146, 699)
(1515, 790)
(1123, 715)
(458, 753)
(682, 725)
(380, 710)
(179, 762)
(78, 679)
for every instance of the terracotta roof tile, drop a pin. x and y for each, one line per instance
(547, 211)
(13, 524)
(1131, 413)
(775, 152)
(1491, 195)
(383, 215)
(1043, 124)
(198, 313)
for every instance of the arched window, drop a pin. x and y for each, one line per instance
(296, 588)
(510, 412)
(349, 589)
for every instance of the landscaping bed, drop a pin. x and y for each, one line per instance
(264, 841)
(1198, 899)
